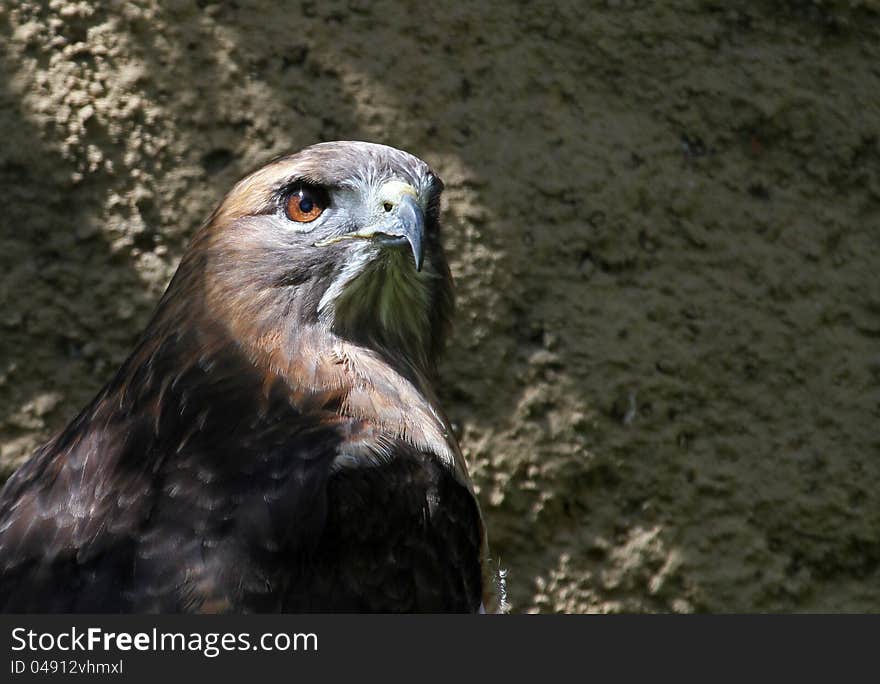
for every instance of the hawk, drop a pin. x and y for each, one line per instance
(273, 442)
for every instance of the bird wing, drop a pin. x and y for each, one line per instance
(65, 525)
(171, 491)
(194, 483)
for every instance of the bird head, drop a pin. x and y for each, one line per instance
(342, 236)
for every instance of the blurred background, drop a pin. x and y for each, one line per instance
(663, 221)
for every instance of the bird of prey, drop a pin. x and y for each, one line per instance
(273, 442)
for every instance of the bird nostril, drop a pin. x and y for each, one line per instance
(387, 206)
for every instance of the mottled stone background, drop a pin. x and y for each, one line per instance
(664, 222)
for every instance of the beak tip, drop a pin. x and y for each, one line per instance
(413, 221)
(418, 254)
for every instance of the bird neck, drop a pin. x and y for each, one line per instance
(361, 354)
(385, 306)
(326, 372)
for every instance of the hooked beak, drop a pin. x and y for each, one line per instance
(403, 222)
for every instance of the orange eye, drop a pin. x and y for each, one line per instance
(305, 205)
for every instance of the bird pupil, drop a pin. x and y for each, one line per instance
(306, 205)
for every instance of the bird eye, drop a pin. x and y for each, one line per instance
(305, 204)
